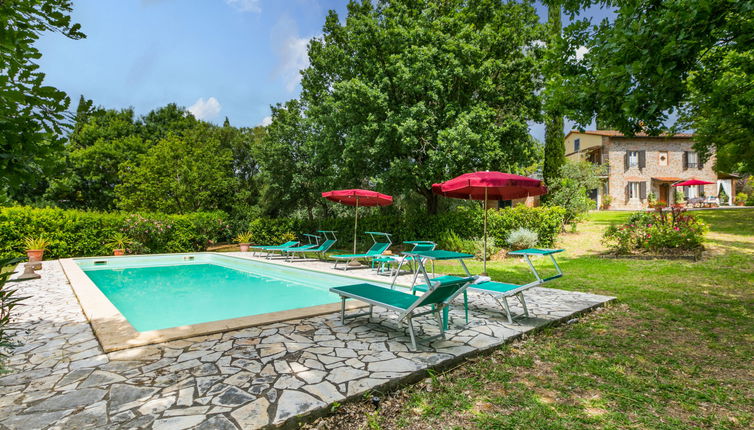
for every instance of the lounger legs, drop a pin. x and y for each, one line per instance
(523, 303)
(411, 332)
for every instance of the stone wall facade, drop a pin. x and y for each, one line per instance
(616, 148)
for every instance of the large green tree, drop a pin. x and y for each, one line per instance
(180, 174)
(405, 93)
(32, 114)
(293, 174)
(655, 61)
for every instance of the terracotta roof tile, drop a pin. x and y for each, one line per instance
(616, 133)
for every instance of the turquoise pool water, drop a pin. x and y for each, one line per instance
(168, 291)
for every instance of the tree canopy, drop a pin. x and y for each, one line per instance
(32, 114)
(403, 93)
(659, 60)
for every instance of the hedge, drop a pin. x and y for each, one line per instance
(74, 233)
(466, 223)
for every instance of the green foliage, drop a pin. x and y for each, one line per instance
(570, 191)
(660, 232)
(453, 230)
(32, 114)
(8, 299)
(522, 238)
(36, 243)
(119, 240)
(554, 145)
(74, 233)
(478, 248)
(245, 237)
(405, 93)
(678, 197)
(179, 175)
(292, 173)
(656, 60)
(450, 241)
(741, 198)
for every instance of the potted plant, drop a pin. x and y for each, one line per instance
(244, 240)
(607, 200)
(741, 199)
(35, 248)
(119, 242)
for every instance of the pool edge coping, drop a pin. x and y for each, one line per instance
(114, 332)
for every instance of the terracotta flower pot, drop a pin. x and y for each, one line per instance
(117, 252)
(244, 247)
(35, 255)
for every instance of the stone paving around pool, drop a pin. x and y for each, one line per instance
(268, 375)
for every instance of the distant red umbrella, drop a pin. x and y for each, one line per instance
(691, 182)
(490, 185)
(358, 197)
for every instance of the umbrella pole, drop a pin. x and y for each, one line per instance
(355, 225)
(484, 252)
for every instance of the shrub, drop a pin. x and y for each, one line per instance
(478, 250)
(722, 196)
(74, 233)
(607, 200)
(659, 232)
(8, 300)
(678, 197)
(741, 198)
(522, 238)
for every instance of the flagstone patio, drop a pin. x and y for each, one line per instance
(276, 374)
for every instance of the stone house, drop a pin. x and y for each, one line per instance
(640, 165)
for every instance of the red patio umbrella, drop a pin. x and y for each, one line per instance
(691, 182)
(357, 197)
(490, 185)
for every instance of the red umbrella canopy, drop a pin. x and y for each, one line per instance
(691, 182)
(499, 186)
(364, 197)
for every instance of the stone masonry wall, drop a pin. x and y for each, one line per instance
(619, 177)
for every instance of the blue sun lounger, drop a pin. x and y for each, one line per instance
(375, 251)
(501, 291)
(288, 244)
(321, 249)
(313, 243)
(437, 298)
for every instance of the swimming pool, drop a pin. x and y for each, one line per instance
(136, 298)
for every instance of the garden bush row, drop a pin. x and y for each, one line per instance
(74, 233)
(464, 222)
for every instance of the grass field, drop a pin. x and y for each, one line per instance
(674, 352)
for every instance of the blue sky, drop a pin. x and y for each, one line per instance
(218, 58)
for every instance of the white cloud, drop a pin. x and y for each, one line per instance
(291, 50)
(580, 52)
(205, 109)
(266, 121)
(245, 5)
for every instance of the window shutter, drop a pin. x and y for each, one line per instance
(642, 159)
(699, 163)
(685, 160)
(625, 160)
(642, 189)
(700, 190)
(686, 192)
(628, 191)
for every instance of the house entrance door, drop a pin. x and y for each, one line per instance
(665, 193)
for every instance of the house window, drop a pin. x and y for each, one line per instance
(636, 190)
(576, 145)
(663, 158)
(633, 159)
(692, 160)
(633, 190)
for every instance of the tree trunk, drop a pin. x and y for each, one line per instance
(431, 200)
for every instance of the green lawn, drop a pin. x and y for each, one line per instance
(674, 352)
